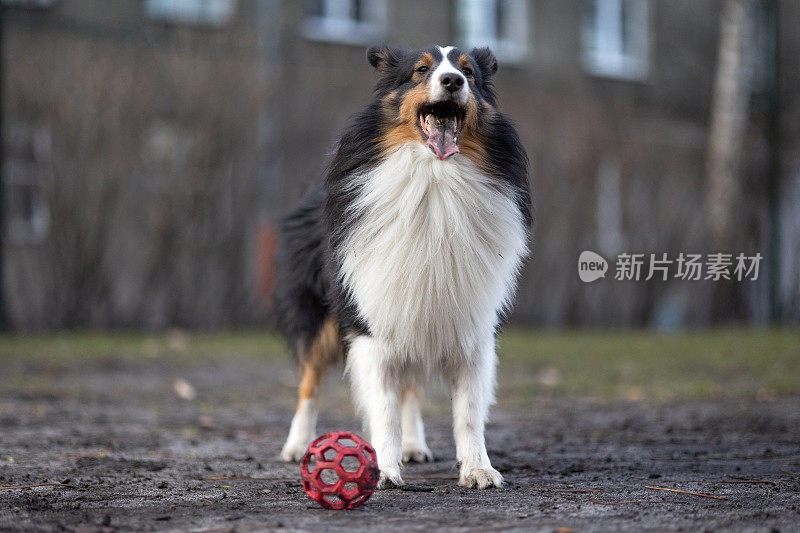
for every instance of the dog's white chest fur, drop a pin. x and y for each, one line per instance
(434, 253)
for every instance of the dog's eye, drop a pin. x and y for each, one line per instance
(467, 71)
(422, 69)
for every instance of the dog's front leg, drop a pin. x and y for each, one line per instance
(377, 398)
(473, 392)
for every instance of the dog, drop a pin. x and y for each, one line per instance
(403, 260)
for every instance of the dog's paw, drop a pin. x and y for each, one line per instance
(480, 477)
(293, 451)
(390, 479)
(414, 453)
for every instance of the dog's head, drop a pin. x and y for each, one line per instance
(435, 96)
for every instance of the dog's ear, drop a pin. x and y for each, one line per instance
(382, 55)
(485, 60)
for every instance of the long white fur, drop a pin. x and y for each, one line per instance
(378, 400)
(437, 91)
(431, 261)
(413, 430)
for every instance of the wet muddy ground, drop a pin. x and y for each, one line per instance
(116, 448)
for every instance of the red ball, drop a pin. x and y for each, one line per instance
(338, 474)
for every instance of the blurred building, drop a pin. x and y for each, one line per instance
(149, 145)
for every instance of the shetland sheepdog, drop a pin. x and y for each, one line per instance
(403, 259)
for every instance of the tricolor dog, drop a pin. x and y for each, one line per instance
(404, 258)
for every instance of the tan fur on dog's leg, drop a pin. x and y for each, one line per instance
(324, 351)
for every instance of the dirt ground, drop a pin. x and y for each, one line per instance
(120, 450)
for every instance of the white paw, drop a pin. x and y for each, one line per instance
(390, 478)
(414, 453)
(480, 477)
(293, 451)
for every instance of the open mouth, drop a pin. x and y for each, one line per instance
(441, 125)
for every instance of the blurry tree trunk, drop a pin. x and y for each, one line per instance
(729, 106)
(728, 127)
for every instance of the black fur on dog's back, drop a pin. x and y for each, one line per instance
(301, 296)
(307, 291)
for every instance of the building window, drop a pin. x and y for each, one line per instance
(346, 21)
(760, 31)
(27, 213)
(502, 25)
(200, 12)
(28, 3)
(27, 169)
(615, 38)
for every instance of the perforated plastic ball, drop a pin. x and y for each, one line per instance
(340, 470)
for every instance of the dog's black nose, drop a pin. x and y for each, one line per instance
(451, 81)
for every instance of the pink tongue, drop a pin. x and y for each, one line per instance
(442, 135)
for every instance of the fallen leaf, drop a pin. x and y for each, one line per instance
(549, 377)
(184, 389)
